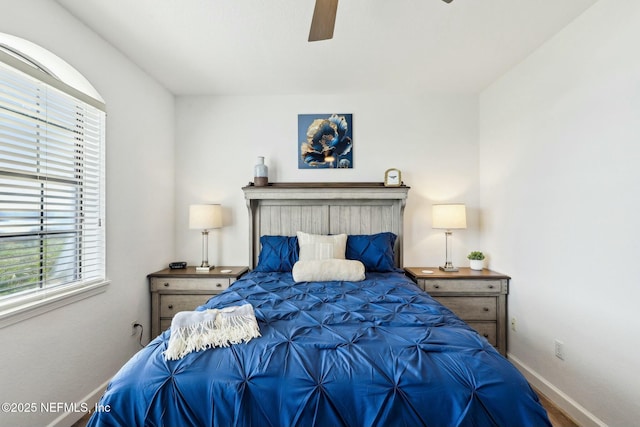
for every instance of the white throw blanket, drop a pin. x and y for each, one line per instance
(200, 330)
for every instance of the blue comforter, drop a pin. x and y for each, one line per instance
(374, 353)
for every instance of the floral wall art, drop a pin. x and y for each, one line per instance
(325, 141)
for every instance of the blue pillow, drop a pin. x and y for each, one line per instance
(375, 251)
(278, 253)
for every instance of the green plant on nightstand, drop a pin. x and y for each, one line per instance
(477, 255)
(476, 260)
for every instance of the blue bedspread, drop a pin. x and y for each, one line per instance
(373, 353)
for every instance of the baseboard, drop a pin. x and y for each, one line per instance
(68, 418)
(572, 408)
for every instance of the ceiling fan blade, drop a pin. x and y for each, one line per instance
(324, 19)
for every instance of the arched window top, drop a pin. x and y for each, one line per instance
(52, 176)
(45, 62)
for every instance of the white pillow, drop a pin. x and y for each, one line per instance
(325, 270)
(316, 246)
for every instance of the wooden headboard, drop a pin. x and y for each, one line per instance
(324, 208)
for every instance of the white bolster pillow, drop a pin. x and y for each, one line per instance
(325, 270)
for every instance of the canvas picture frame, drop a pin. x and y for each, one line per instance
(325, 141)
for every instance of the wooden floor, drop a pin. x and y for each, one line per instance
(556, 416)
(82, 422)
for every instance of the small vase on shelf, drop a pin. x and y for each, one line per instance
(260, 173)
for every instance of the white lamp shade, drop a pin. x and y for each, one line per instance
(450, 216)
(205, 217)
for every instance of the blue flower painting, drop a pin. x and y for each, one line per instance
(325, 141)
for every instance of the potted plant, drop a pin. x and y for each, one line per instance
(476, 260)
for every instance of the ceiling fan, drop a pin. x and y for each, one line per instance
(324, 19)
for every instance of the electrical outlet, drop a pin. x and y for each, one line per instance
(559, 349)
(513, 324)
(134, 327)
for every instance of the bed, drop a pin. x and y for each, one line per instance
(371, 352)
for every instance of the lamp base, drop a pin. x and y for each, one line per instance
(448, 268)
(204, 269)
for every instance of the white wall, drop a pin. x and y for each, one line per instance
(431, 138)
(64, 355)
(559, 169)
(554, 204)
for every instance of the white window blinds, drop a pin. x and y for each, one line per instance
(51, 187)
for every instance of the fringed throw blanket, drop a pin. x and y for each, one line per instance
(200, 330)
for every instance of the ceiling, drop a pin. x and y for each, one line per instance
(200, 47)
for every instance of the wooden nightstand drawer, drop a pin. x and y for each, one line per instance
(471, 308)
(172, 304)
(165, 324)
(185, 289)
(172, 284)
(479, 297)
(461, 286)
(486, 329)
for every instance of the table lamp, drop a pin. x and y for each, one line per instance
(205, 218)
(449, 217)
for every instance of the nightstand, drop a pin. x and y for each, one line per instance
(183, 289)
(477, 297)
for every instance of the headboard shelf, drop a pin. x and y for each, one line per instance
(329, 190)
(322, 184)
(324, 208)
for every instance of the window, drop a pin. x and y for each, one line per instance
(52, 236)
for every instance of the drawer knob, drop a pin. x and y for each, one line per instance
(218, 285)
(485, 335)
(170, 306)
(490, 286)
(166, 284)
(485, 308)
(436, 286)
